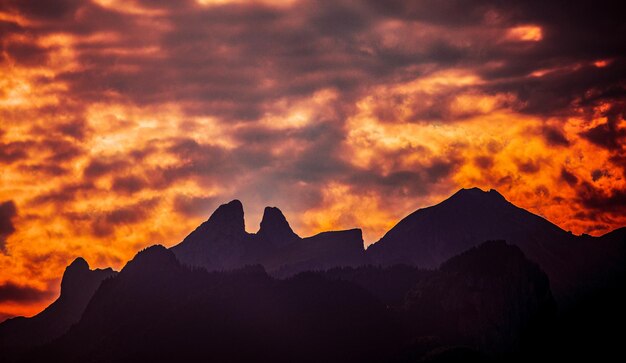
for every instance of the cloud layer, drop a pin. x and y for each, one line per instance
(125, 123)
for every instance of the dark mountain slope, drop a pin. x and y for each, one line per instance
(221, 243)
(389, 284)
(490, 298)
(431, 235)
(77, 286)
(157, 310)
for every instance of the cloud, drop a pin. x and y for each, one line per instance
(601, 200)
(554, 136)
(12, 151)
(195, 205)
(568, 177)
(10, 292)
(103, 224)
(7, 212)
(608, 135)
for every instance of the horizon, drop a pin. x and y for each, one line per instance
(127, 123)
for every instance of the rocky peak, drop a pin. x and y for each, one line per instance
(74, 276)
(227, 216)
(477, 194)
(275, 228)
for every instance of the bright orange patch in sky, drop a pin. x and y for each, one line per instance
(526, 33)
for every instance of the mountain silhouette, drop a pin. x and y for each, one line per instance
(490, 297)
(429, 236)
(431, 289)
(77, 287)
(159, 310)
(275, 229)
(222, 243)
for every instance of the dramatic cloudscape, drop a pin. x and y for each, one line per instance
(125, 123)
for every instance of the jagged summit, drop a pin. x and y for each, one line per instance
(77, 274)
(275, 229)
(78, 264)
(221, 243)
(77, 287)
(228, 216)
(477, 195)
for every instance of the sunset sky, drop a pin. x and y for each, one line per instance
(126, 123)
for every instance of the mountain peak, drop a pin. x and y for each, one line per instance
(275, 228)
(477, 194)
(152, 259)
(475, 191)
(79, 264)
(74, 274)
(78, 275)
(229, 215)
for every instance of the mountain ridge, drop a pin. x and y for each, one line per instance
(78, 285)
(424, 240)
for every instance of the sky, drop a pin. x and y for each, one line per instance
(126, 123)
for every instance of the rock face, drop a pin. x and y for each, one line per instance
(157, 310)
(490, 297)
(429, 236)
(221, 243)
(77, 287)
(275, 229)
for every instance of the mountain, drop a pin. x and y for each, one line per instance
(158, 310)
(77, 286)
(275, 230)
(222, 243)
(429, 236)
(430, 290)
(490, 297)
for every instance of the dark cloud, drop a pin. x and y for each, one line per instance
(13, 151)
(608, 135)
(128, 184)
(598, 174)
(554, 136)
(10, 292)
(8, 211)
(27, 54)
(100, 167)
(44, 9)
(60, 150)
(483, 162)
(63, 194)
(104, 224)
(76, 129)
(44, 170)
(529, 166)
(569, 177)
(194, 206)
(594, 198)
(231, 60)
